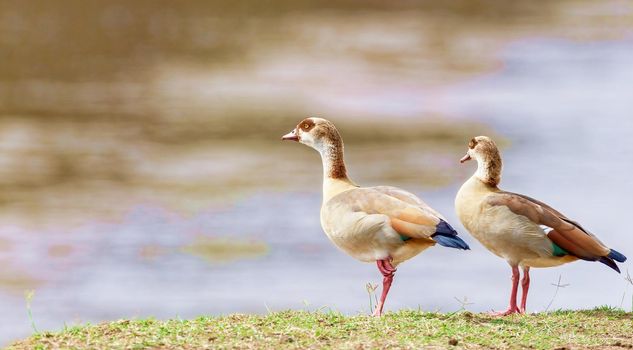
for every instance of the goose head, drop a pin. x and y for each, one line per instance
(484, 150)
(480, 148)
(317, 133)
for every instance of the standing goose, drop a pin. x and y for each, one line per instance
(382, 224)
(522, 230)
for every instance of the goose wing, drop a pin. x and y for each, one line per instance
(564, 232)
(406, 218)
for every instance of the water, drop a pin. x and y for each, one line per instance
(143, 174)
(563, 105)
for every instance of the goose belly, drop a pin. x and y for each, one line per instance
(377, 247)
(512, 237)
(366, 237)
(364, 245)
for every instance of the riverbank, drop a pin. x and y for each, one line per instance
(601, 328)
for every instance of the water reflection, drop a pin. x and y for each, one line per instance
(142, 172)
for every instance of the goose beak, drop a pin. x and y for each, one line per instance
(291, 136)
(465, 158)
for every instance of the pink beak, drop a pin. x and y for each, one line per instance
(291, 136)
(465, 158)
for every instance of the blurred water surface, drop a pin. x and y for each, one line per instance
(142, 172)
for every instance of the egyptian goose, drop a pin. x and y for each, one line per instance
(522, 230)
(382, 224)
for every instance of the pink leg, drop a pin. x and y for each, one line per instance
(387, 270)
(513, 295)
(525, 286)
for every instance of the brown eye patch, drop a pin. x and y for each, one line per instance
(472, 143)
(306, 125)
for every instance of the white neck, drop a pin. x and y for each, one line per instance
(482, 170)
(333, 163)
(488, 171)
(335, 178)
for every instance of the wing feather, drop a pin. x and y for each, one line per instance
(565, 233)
(405, 217)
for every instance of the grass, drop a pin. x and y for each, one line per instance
(602, 328)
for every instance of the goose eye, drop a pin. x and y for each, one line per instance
(306, 126)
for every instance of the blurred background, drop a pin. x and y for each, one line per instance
(142, 172)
